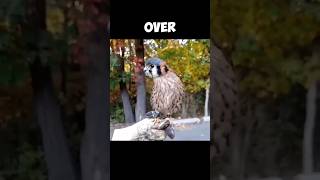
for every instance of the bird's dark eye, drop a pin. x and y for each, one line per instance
(151, 65)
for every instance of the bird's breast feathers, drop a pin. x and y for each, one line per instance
(167, 94)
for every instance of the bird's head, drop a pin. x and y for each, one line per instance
(155, 67)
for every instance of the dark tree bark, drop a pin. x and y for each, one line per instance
(47, 111)
(211, 99)
(309, 129)
(189, 107)
(241, 139)
(235, 154)
(46, 107)
(140, 110)
(310, 121)
(95, 149)
(127, 108)
(64, 61)
(225, 104)
(316, 147)
(316, 135)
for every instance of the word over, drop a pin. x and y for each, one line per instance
(162, 26)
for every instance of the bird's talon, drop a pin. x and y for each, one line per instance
(170, 132)
(152, 114)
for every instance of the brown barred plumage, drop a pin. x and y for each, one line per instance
(168, 91)
(167, 94)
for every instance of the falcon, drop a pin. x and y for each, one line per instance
(168, 90)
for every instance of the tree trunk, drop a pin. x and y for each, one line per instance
(244, 151)
(194, 106)
(317, 133)
(185, 107)
(95, 149)
(211, 99)
(47, 111)
(225, 110)
(140, 110)
(224, 107)
(127, 108)
(236, 142)
(128, 114)
(206, 113)
(309, 129)
(189, 106)
(46, 107)
(248, 131)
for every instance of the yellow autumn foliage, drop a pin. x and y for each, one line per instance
(189, 59)
(55, 20)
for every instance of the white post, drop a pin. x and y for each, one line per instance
(206, 103)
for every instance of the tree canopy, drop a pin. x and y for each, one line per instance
(270, 42)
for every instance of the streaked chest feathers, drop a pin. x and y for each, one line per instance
(167, 94)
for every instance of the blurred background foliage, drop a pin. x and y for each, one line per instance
(21, 151)
(269, 41)
(274, 49)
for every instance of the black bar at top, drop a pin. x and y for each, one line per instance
(128, 17)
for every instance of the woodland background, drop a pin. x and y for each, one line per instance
(53, 77)
(53, 100)
(273, 47)
(130, 90)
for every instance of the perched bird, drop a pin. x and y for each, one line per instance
(168, 90)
